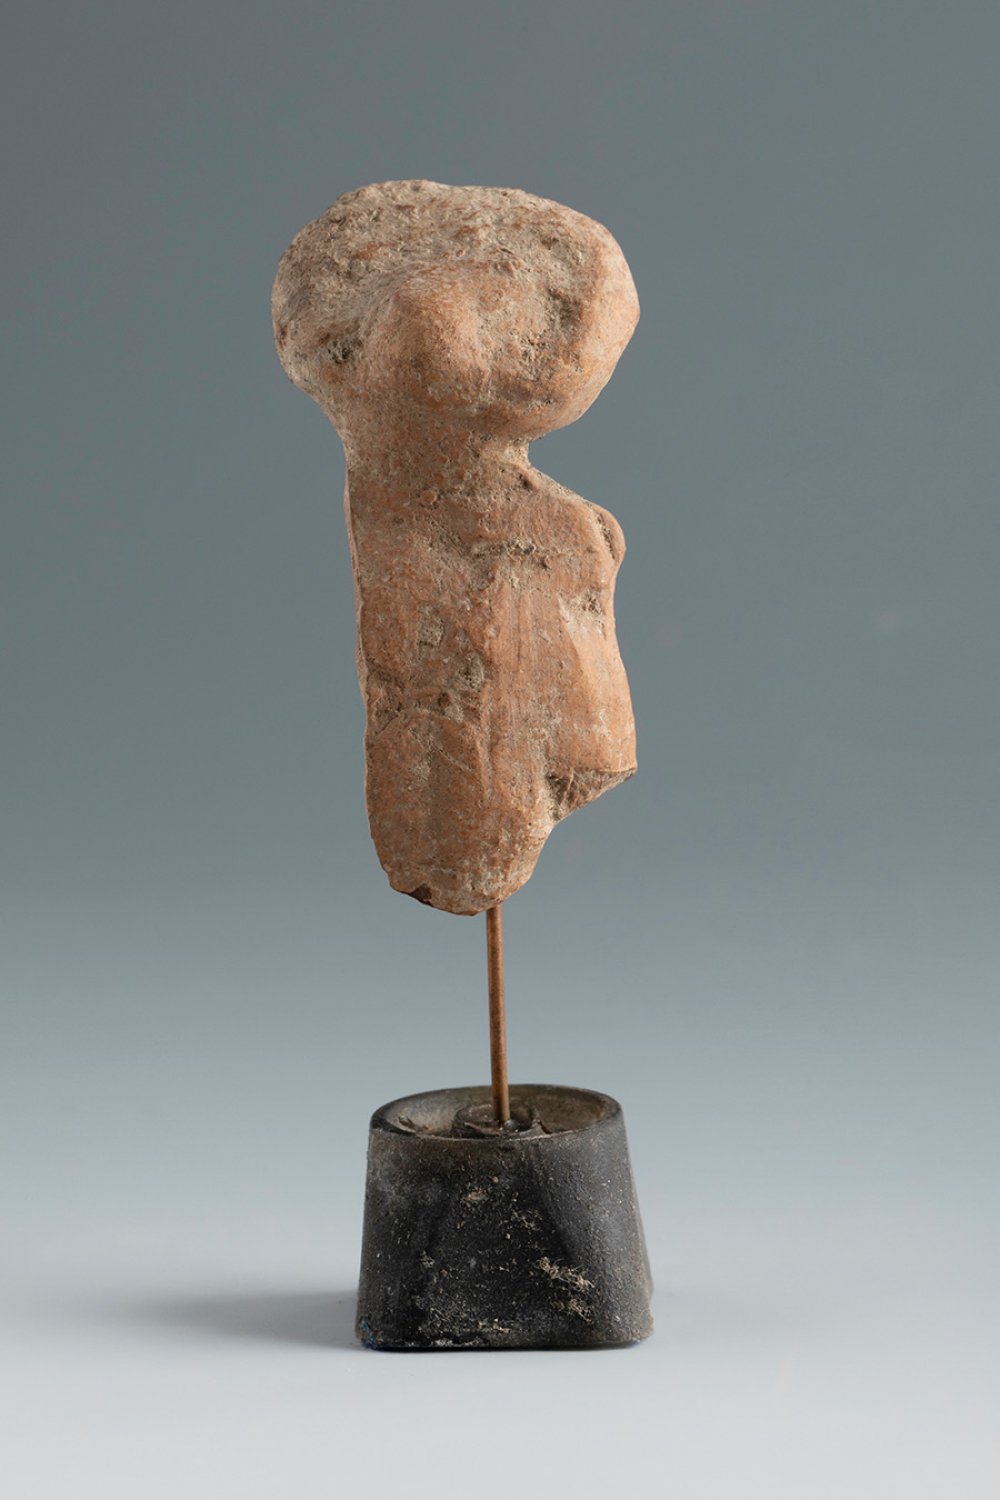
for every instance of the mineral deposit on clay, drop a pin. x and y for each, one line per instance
(442, 329)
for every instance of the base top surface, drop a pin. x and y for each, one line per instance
(536, 1109)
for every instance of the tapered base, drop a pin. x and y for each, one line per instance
(477, 1237)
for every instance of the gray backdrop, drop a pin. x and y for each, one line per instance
(777, 946)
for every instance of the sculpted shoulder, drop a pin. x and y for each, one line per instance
(571, 522)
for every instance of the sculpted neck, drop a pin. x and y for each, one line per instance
(391, 458)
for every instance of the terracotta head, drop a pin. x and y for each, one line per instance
(398, 302)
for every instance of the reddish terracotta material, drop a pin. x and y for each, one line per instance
(441, 329)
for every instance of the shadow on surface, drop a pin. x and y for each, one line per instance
(321, 1319)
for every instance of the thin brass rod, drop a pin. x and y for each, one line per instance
(498, 1021)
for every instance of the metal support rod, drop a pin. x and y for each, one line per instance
(498, 1022)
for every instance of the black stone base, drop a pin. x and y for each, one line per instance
(480, 1238)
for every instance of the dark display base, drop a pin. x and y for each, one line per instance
(477, 1237)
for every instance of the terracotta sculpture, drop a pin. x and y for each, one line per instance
(441, 329)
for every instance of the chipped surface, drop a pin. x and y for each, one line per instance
(569, 1274)
(441, 329)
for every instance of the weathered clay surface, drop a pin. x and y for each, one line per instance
(441, 329)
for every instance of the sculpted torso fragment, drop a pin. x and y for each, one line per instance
(441, 329)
